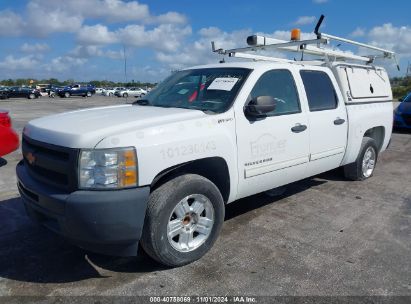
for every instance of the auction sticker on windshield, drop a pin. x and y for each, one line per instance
(224, 84)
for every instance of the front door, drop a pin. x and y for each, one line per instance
(274, 150)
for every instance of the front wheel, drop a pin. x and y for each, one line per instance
(184, 217)
(67, 94)
(32, 96)
(364, 166)
(125, 95)
(88, 94)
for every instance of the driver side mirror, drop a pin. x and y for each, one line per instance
(258, 107)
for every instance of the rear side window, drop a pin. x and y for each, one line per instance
(320, 91)
(281, 86)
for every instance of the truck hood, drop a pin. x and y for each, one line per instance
(85, 128)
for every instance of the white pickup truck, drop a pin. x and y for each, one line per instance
(159, 172)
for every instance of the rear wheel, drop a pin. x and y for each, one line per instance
(184, 217)
(32, 96)
(67, 94)
(125, 95)
(364, 166)
(88, 94)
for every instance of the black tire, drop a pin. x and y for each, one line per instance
(354, 170)
(125, 95)
(161, 204)
(88, 94)
(31, 96)
(67, 95)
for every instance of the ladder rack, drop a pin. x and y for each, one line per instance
(316, 47)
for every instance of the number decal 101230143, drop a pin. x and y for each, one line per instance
(190, 149)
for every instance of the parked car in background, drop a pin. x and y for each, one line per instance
(99, 91)
(52, 91)
(76, 90)
(25, 92)
(43, 88)
(132, 92)
(402, 114)
(3, 93)
(112, 91)
(9, 140)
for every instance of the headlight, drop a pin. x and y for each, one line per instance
(108, 168)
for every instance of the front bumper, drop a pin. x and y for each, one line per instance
(107, 222)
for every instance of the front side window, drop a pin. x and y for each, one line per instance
(280, 85)
(320, 90)
(210, 90)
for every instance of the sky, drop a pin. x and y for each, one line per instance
(86, 40)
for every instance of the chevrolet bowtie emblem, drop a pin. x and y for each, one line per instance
(30, 158)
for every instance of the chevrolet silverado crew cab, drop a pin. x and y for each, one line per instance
(160, 172)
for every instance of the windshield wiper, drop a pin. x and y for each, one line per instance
(141, 102)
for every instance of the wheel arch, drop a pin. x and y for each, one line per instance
(213, 168)
(378, 134)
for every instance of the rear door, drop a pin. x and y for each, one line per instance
(327, 118)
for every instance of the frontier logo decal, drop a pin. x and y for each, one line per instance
(30, 158)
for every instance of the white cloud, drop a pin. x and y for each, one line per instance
(96, 34)
(358, 32)
(304, 20)
(23, 63)
(88, 51)
(199, 52)
(11, 24)
(166, 37)
(34, 48)
(116, 10)
(170, 17)
(42, 21)
(393, 38)
(64, 63)
(41, 18)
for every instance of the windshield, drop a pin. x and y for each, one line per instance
(211, 89)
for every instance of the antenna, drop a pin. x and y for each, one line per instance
(125, 63)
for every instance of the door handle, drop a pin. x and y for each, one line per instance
(298, 128)
(339, 121)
